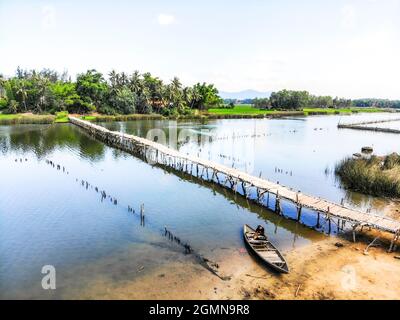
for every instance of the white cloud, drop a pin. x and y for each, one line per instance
(165, 19)
(48, 17)
(349, 17)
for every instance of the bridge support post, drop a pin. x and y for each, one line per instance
(234, 186)
(298, 207)
(329, 221)
(354, 231)
(392, 243)
(244, 189)
(278, 204)
(329, 225)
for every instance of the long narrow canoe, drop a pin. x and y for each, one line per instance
(266, 251)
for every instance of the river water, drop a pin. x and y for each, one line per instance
(56, 216)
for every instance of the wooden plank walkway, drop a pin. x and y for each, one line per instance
(362, 126)
(157, 153)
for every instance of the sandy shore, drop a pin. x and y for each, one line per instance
(321, 270)
(392, 210)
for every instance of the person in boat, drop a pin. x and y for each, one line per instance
(260, 233)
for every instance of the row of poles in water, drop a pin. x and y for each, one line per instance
(167, 233)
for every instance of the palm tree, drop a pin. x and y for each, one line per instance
(135, 83)
(188, 95)
(23, 93)
(176, 84)
(192, 96)
(176, 93)
(2, 83)
(166, 96)
(196, 97)
(113, 78)
(123, 79)
(42, 88)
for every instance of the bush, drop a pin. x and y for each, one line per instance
(61, 117)
(12, 107)
(169, 112)
(376, 176)
(3, 104)
(392, 161)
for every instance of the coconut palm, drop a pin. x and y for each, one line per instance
(43, 97)
(113, 78)
(2, 84)
(22, 93)
(135, 83)
(123, 79)
(176, 93)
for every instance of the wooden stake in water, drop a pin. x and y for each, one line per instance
(142, 214)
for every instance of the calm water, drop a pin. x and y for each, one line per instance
(51, 217)
(298, 152)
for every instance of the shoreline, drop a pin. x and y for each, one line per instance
(332, 268)
(29, 118)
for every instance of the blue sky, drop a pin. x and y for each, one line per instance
(349, 48)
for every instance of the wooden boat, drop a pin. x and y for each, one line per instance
(266, 251)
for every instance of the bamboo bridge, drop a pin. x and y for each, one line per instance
(241, 182)
(362, 126)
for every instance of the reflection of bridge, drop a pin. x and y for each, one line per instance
(250, 186)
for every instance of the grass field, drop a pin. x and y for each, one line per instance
(122, 117)
(26, 119)
(247, 109)
(239, 111)
(342, 110)
(61, 117)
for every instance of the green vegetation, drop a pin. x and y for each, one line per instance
(127, 97)
(247, 109)
(379, 176)
(377, 103)
(6, 119)
(61, 117)
(239, 109)
(299, 100)
(311, 111)
(48, 92)
(128, 117)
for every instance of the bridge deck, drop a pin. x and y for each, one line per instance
(362, 126)
(331, 209)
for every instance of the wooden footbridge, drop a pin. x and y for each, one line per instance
(363, 126)
(251, 187)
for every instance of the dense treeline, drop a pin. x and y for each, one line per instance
(288, 99)
(379, 103)
(297, 100)
(48, 91)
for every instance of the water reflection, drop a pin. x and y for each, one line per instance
(48, 217)
(297, 152)
(42, 140)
